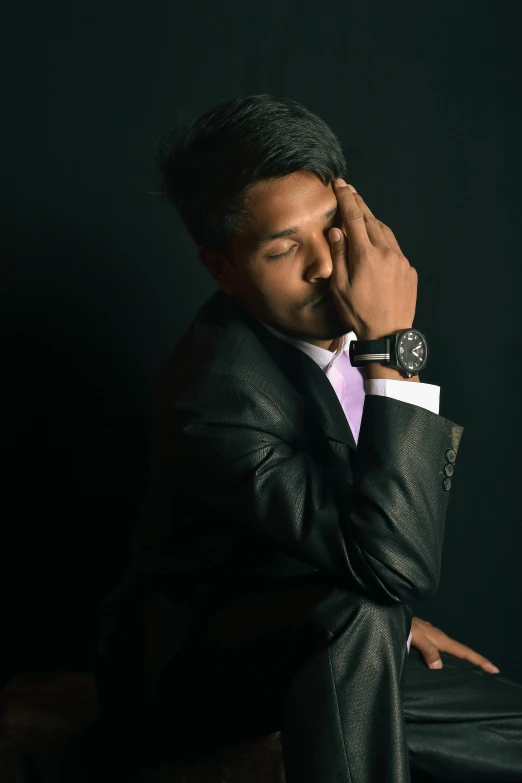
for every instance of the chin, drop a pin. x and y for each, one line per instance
(328, 328)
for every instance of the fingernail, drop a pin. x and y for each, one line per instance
(342, 184)
(436, 664)
(492, 668)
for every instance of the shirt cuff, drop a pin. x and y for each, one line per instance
(426, 395)
(409, 637)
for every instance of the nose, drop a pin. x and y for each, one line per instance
(319, 261)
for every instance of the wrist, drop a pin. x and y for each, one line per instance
(378, 334)
(377, 370)
(392, 357)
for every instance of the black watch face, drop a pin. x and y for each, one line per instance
(412, 350)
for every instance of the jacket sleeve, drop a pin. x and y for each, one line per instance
(379, 529)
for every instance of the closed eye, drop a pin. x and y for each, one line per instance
(286, 253)
(337, 219)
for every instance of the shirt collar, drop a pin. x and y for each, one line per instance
(322, 356)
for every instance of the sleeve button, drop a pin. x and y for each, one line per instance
(448, 469)
(446, 483)
(450, 455)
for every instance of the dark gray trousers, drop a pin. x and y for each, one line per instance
(330, 670)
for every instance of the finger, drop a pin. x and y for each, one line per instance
(353, 220)
(374, 227)
(467, 654)
(390, 238)
(430, 652)
(339, 252)
(375, 236)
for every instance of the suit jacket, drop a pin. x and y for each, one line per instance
(255, 476)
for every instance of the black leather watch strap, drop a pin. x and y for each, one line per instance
(393, 350)
(364, 351)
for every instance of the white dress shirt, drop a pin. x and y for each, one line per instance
(427, 395)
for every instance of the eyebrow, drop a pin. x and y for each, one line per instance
(265, 238)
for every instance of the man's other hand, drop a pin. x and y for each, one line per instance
(429, 641)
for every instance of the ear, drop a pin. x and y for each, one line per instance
(219, 267)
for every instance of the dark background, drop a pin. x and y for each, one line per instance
(99, 278)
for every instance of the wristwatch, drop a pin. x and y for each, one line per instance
(407, 351)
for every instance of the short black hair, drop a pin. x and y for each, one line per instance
(208, 166)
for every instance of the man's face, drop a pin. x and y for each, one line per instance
(284, 292)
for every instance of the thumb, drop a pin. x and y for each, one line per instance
(338, 252)
(430, 653)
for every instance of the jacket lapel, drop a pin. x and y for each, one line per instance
(308, 379)
(320, 392)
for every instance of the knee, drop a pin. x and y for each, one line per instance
(347, 612)
(380, 620)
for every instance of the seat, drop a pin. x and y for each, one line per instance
(51, 732)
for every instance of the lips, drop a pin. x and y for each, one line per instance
(324, 299)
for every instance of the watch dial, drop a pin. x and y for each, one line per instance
(411, 350)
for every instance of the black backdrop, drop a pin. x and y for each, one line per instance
(99, 279)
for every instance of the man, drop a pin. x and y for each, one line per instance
(297, 501)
